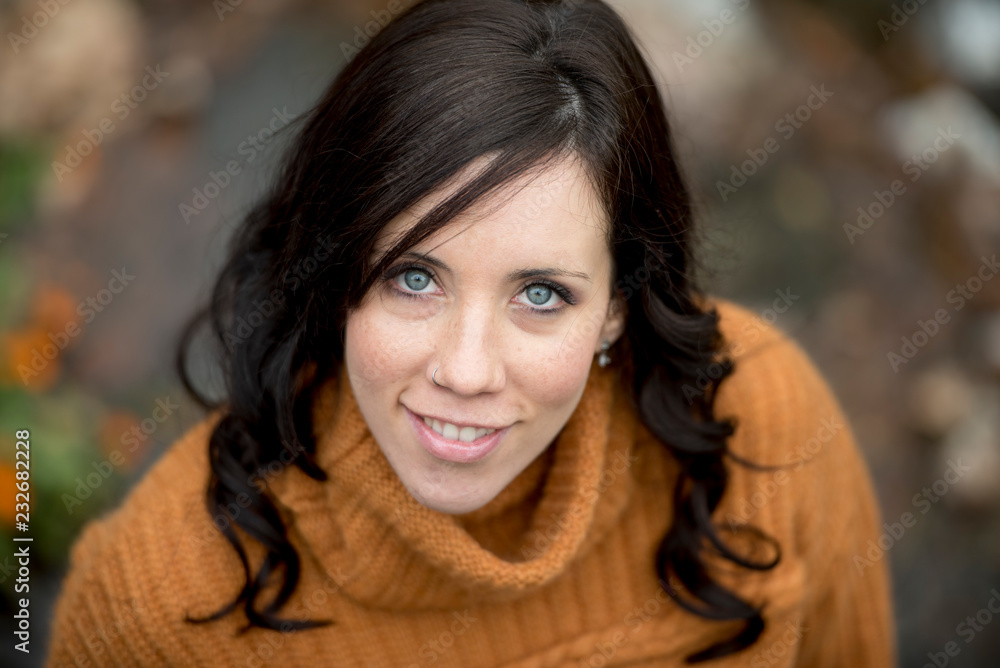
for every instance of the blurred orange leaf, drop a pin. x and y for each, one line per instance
(53, 308)
(29, 358)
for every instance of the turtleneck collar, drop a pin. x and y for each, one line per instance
(389, 551)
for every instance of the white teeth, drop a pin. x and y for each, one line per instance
(452, 432)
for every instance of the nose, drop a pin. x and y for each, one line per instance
(470, 358)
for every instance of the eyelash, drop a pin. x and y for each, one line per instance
(560, 290)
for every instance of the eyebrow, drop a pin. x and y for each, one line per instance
(516, 275)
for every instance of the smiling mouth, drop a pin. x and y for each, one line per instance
(455, 433)
(448, 442)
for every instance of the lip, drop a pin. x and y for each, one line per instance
(456, 451)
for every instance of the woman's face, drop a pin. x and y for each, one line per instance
(509, 304)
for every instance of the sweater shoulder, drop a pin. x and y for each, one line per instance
(811, 492)
(789, 420)
(165, 497)
(775, 391)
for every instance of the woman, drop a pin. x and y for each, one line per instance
(478, 413)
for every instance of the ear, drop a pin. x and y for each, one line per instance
(614, 322)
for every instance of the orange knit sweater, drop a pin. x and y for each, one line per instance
(557, 570)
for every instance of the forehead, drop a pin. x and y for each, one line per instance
(553, 211)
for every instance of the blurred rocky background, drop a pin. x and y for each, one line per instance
(845, 160)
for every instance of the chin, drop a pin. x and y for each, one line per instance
(453, 502)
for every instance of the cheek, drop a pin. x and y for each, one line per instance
(558, 378)
(375, 349)
(564, 358)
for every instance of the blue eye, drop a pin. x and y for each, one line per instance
(417, 278)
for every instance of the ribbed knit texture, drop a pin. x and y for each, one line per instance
(557, 570)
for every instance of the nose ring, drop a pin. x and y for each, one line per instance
(432, 378)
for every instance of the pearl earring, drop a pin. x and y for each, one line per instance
(604, 359)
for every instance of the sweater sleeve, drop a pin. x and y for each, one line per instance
(847, 612)
(821, 505)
